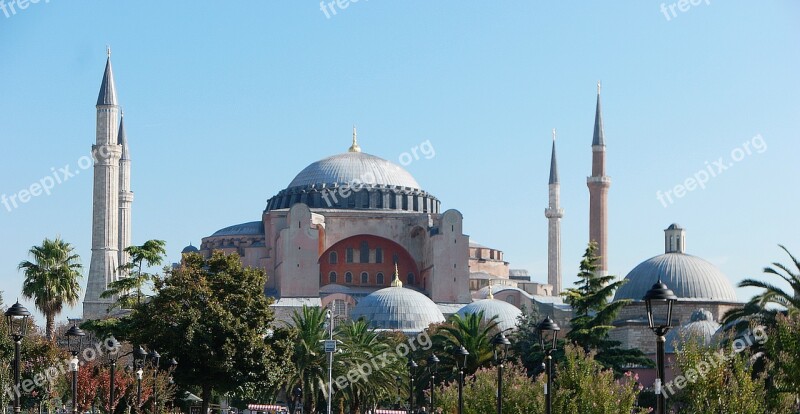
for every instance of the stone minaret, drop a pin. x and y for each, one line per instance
(105, 199)
(125, 194)
(598, 184)
(554, 213)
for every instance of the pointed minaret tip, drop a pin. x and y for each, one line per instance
(553, 164)
(354, 147)
(122, 138)
(599, 85)
(599, 136)
(396, 281)
(108, 92)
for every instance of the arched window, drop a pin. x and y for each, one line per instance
(364, 252)
(349, 254)
(340, 309)
(364, 278)
(348, 277)
(332, 277)
(379, 279)
(410, 279)
(333, 258)
(378, 255)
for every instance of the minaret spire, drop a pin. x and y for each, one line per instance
(355, 147)
(598, 184)
(125, 193)
(554, 213)
(104, 266)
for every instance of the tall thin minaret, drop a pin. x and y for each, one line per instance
(105, 199)
(125, 194)
(554, 213)
(598, 184)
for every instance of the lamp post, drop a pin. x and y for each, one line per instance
(548, 339)
(460, 355)
(330, 348)
(659, 300)
(156, 358)
(74, 342)
(173, 365)
(139, 356)
(412, 372)
(298, 400)
(113, 358)
(17, 318)
(433, 364)
(501, 344)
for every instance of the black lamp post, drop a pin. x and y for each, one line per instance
(412, 372)
(139, 356)
(548, 338)
(460, 355)
(659, 300)
(156, 358)
(17, 318)
(433, 364)
(298, 399)
(501, 344)
(112, 343)
(74, 342)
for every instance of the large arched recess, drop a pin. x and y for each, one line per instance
(390, 251)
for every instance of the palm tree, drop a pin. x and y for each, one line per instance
(151, 253)
(51, 279)
(310, 369)
(471, 332)
(765, 306)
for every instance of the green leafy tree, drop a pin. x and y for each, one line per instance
(128, 289)
(471, 332)
(213, 317)
(525, 342)
(594, 315)
(781, 351)
(310, 368)
(520, 393)
(715, 381)
(51, 279)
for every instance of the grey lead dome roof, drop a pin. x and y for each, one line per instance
(397, 308)
(701, 328)
(354, 167)
(690, 277)
(507, 314)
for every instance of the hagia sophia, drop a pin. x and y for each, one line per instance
(360, 235)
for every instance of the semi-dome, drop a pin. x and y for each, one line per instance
(688, 276)
(507, 314)
(701, 328)
(397, 308)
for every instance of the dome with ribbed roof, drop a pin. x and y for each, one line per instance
(506, 313)
(397, 308)
(689, 277)
(701, 328)
(354, 167)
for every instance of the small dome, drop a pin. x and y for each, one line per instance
(190, 249)
(354, 168)
(507, 314)
(690, 277)
(701, 328)
(674, 226)
(251, 228)
(397, 308)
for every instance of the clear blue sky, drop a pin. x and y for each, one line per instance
(226, 101)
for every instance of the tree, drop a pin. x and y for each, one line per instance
(213, 317)
(594, 315)
(764, 307)
(520, 394)
(51, 279)
(310, 370)
(782, 371)
(151, 253)
(471, 332)
(525, 342)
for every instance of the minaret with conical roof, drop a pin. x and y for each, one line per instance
(107, 152)
(125, 194)
(599, 184)
(554, 213)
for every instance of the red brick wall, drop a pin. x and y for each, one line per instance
(405, 263)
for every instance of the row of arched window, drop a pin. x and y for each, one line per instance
(363, 255)
(365, 279)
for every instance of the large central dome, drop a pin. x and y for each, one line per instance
(354, 168)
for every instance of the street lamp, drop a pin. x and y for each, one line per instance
(74, 342)
(298, 400)
(501, 344)
(460, 355)
(156, 358)
(433, 363)
(412, 372)
(17, 318)
(330, 348)
(548, 338)
(139, 356)
(113, 357)
(659, 300)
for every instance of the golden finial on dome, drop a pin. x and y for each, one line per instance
(355, 147)
(396, 281)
